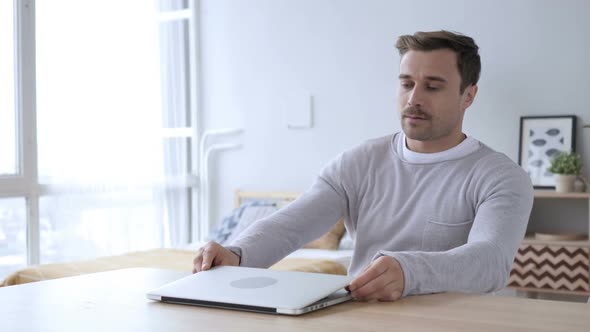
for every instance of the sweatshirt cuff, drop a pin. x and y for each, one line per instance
(237, 251)
(408, 281)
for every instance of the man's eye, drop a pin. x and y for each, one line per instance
(432, 88)
(406, 85)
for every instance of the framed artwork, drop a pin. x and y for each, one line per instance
(541, 137)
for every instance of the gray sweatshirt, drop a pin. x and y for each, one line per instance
(454, 222)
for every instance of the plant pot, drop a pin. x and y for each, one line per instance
(579, 186)
(564, 183)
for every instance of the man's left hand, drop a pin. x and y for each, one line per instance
(382, 280)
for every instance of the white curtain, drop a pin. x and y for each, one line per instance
(174, 57)
(109, 78)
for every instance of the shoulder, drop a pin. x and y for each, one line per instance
(371, 148)
(357, 159)
(491, 161)
(496, 173)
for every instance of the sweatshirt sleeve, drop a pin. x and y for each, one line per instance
(308, 217)
(484, 263)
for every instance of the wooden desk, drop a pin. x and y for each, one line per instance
(115, 301)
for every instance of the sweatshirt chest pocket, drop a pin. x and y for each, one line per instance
(445, 235)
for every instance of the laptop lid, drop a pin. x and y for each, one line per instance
(260, 290)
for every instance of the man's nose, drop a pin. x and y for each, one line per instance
(415, 98)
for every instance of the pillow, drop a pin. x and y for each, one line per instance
(330, 240)
(251, 214)
(244, 216)
(228, 224)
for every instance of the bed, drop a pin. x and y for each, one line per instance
(324, 255)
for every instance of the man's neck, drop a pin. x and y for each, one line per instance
(436, 145)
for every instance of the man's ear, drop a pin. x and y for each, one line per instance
(469, 95)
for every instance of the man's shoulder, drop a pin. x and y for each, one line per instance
(491, 158)
(357, 159)
(495, 165)
(373, 146)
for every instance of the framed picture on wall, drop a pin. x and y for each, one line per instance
(541, 137)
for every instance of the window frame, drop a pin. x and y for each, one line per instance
(25, 184)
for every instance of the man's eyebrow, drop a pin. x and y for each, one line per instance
(429, 78)
(436, 78)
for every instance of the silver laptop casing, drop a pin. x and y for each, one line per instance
(258, 290)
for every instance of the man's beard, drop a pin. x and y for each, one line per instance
(416, 133)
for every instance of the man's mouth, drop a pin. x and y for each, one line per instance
(416, 118)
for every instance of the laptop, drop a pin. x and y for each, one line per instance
(258, 290)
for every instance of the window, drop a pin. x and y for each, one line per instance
(8, 124)
(13, 236)
(109, 93)
(97, 128)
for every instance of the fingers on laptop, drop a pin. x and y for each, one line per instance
(198, 261)
(381, 281)
(205, 256)
(212, 254)
(209, 254)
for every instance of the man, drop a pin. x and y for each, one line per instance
(432, 210)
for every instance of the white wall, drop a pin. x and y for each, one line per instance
(258, 53)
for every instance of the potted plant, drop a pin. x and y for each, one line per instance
(565, 168)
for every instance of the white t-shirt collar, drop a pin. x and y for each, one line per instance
(468, 146)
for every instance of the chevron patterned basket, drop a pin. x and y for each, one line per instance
(551, 267)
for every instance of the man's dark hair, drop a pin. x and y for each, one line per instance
(468, 60)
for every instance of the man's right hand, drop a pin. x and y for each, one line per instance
(213, 254)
